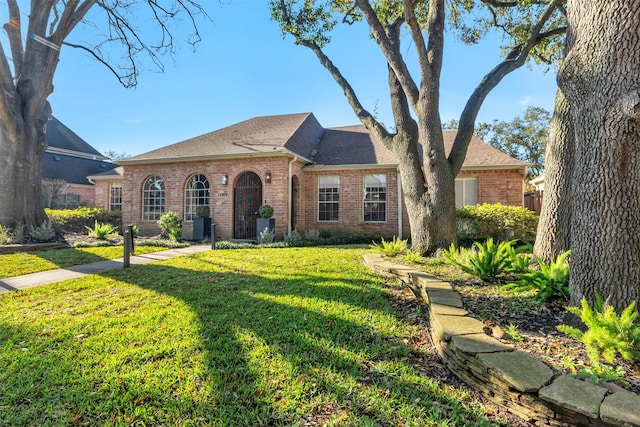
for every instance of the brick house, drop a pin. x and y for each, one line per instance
(339, 179)
(66, 163)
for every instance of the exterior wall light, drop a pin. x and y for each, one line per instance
(225, 179)
(267, 177)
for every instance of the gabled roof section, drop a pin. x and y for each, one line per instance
(482, 155)
(352, 145)
(61, 139)
(72, 169)
(301, 135)
(110, 174)
(296, 134)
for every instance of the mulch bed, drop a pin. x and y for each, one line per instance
(537, 327)
(536, 324)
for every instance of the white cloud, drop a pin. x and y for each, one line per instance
(525, 101)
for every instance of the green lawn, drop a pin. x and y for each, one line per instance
(221, 338)
(21, 263)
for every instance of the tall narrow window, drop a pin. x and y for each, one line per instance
(375, 198)
(115, 199)
(328, 198)
(466, 191)
(153, 198)
(196, 194)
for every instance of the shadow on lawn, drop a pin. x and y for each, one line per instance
(303, 345)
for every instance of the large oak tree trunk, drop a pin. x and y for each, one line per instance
(554, 229)
(601, 79)
(21, 153)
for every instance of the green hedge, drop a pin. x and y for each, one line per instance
(480, 222)
(75, 220)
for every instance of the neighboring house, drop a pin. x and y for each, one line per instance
(66, 164)
(533, 199)
(341, 180)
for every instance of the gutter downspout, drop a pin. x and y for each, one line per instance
(399, 184)
(290, 193)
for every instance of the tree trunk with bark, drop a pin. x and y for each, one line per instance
(553, 235)
(20, 162)
(600, 78)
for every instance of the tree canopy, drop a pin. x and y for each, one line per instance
(427, 179)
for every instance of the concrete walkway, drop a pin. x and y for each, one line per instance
(51, 276)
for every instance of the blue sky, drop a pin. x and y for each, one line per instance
(244, 68)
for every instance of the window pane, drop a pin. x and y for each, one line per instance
(466, 191)
(153, 198)
(196, 195)
(375, 198)
(115, 200)
(328, 198)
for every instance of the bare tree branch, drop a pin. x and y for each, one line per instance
(121, 79)
(14, 33)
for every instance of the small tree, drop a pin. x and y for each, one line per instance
(51, 189)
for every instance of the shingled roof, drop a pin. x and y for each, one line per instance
(62, 139)
(296, 134)
(69, 157)
(301, 135)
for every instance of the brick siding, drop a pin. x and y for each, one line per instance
(494, 186)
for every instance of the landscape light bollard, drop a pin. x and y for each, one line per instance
(132, 247)
(127, 250)
(213, 236)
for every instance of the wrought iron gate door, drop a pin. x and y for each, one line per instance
(247, 198)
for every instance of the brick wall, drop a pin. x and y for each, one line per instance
(86, 193)
(175, 176)
(351, 207)
(503, 186)
(498, 185)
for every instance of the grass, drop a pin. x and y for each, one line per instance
(17, 264)
(278, 337)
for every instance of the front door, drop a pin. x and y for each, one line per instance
(247, 198)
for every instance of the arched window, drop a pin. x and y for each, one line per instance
(153, 198)
(196, 194)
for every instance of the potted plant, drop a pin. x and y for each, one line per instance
(265, 220)
(201, 223)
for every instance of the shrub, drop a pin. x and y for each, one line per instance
(162, 243)
(486, 261)
(44, 232)
(267, 236)
(392, 247)
(170, 225)
(4, 235)
(75, 220)
(292, 236)
(101, 231)
(265, 211)
(18, 234)
(481, 222)
(551, 281)
(413, 256)
(95, 244)
(325, 234)
(312, 234)
(203, 212)
(608, 333)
